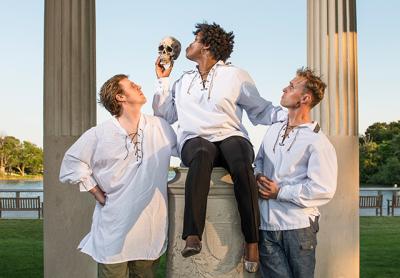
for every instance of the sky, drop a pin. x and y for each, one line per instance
(270, 43)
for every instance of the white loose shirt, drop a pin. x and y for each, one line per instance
(133, 224)
(214, 110)
(305, 168)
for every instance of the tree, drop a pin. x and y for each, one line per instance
(29, 158)
(369, 160)
(389, 173)
(380, 154)
(8, 156)
(23, 157)
(379, 132)
(2, 159)
(34, 163)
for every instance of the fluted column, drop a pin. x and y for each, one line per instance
(332, 52)
(69, 110)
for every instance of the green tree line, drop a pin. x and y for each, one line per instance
(18, 157)
(380, 154)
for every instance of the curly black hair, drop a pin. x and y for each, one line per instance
(220, 41)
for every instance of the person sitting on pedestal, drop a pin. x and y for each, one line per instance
(208, 103)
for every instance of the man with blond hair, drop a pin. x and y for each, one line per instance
(124, 163)
(296, 171)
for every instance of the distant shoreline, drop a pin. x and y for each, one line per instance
(23, 178)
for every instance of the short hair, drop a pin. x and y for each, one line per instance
(108, 92)
(314, 84)
(220, 41)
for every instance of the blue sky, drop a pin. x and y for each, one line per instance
(270, 43)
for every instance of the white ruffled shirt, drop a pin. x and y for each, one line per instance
(213, 109)
(305, 168)
(133, 223)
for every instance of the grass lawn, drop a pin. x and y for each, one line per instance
(379, 247)
(21, 248)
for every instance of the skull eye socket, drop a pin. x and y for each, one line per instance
(168, 48)
(161, 48)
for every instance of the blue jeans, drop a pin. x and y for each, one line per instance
(290, 253)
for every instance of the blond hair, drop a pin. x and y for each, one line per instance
(108, 93)
(313, 85)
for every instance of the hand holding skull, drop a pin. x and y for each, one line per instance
(168, 50)
(161, 70)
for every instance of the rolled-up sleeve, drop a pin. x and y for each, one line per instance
(320, 185)
(76, 165)
(171, 135)
(164, 101)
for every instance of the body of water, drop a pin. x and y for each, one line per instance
(21, 185)
(387, 195)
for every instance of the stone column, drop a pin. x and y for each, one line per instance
(69, 110)
(332, 52)
(222, 252)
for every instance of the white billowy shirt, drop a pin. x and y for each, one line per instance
(304, 166)
(133, 224)
(213, 109)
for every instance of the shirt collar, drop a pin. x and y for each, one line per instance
(121, 130)
(219, 63)
(314, 126)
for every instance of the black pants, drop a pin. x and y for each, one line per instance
(236, 155)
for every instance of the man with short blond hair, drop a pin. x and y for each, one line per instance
(124, 163)
(296, 171)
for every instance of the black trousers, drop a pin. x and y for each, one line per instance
(236, 155)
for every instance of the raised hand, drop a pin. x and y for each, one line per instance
(161, 71)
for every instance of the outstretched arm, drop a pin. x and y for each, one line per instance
(259, 110)
(164, 98)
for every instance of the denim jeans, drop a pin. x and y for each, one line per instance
(289, 253)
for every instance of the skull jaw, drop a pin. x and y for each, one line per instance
(165, 59)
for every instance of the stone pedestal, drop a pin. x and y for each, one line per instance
(222, 253)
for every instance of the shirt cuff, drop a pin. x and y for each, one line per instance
(87, 183)
(162, 85)
(289, 193)
(257, 171)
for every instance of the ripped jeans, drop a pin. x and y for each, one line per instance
(289, 253)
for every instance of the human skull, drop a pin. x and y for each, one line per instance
(169, 49)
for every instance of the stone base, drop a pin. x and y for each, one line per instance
(222, 252)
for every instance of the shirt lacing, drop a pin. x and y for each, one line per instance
(284, 128)
(137, 141)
